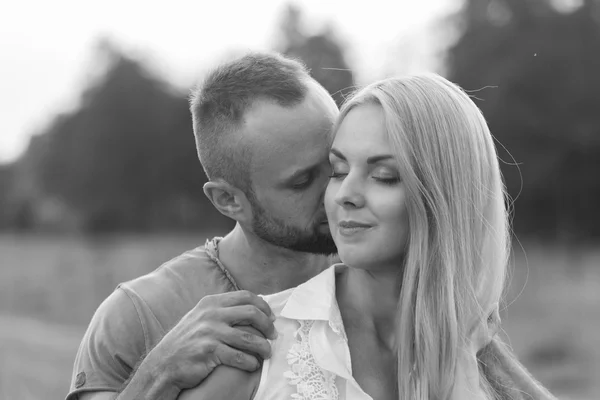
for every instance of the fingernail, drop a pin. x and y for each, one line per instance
(274, 335)
(273, 317)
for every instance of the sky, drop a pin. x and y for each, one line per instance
(46, 46)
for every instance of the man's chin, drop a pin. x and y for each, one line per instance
(323, 228)
(318, 240)
(323, 245)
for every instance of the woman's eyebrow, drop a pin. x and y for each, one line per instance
(337, 153)
(374, 159)
(370, 160)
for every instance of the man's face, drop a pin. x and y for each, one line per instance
(290, 170)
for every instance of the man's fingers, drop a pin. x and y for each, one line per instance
(236, 358)
(244, 297)
(239, 298)
(250, 315)
(248, 339)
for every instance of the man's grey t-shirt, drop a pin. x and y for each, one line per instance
(133, 319)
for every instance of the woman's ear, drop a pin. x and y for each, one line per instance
(228, 200)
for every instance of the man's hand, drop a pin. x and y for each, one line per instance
(206, 337)
(467, 384)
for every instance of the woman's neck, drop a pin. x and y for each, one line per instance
(368, 300)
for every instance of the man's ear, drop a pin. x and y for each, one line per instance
(228, 200)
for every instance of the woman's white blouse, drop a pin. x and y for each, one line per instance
(310, 357)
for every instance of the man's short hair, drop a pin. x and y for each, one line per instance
(219, 104)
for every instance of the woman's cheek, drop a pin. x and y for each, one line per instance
(329, 200)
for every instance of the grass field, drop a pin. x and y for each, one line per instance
(49, 288)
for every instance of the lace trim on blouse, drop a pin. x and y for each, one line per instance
(311, 381)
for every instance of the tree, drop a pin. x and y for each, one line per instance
(542, 66)
(6, 192)
(322, 53)
(125, 159)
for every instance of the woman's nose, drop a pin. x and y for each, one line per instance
(350, 194)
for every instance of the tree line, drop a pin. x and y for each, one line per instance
(125, 159)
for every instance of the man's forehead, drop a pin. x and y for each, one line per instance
(267, 119)
(272, 130)
(267, 116)
(280, 166)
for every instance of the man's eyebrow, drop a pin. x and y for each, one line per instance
(370, 160)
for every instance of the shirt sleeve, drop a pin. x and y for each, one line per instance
(112, 345)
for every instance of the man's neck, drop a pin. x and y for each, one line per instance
(263, 268)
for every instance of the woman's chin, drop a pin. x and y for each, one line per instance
(353, 257)
(374, 261)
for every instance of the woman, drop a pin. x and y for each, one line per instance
(416, 208)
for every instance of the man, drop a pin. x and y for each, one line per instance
(262, 128)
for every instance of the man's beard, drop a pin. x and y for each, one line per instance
(275, 231)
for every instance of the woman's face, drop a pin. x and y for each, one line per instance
(365, 197)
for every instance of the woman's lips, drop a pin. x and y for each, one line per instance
(351, 228)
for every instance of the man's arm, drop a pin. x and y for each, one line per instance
(218, 385)
(467, 385)
(202, 340)
(144, 383)
(501, 357)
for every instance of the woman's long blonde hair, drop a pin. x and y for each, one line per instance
(459, 243)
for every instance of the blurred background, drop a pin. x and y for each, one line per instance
(100, 183)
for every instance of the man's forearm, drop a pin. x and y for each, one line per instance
(148, 382)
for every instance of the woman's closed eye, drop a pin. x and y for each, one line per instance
(385, 175)
(380, 173)
(381, 178)
(337, 175)
(387, 180)
(338, 170)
